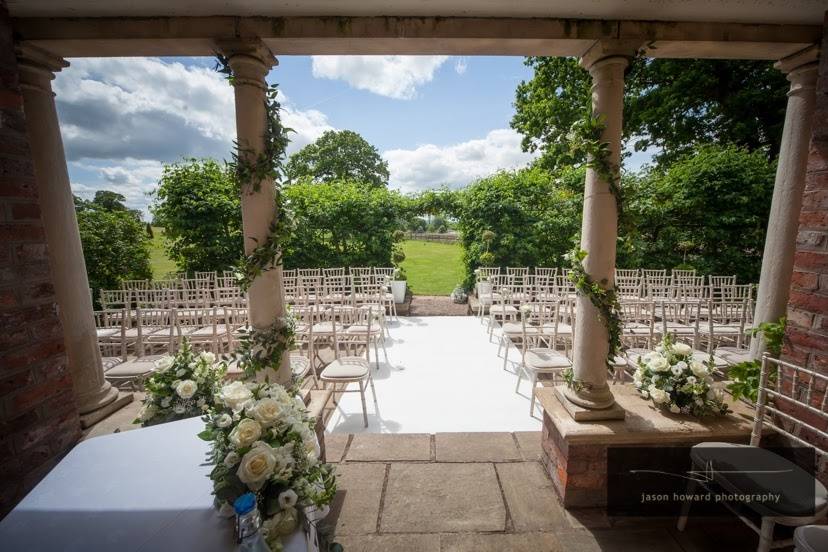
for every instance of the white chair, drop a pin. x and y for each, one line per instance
(536, 359)
(749, 469)
(348, 369)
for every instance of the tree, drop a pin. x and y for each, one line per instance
(110, 201)
(672, 104)
(707, 211)
(341, 224)
(520, 218)
(197, 203)
(115, 244)
(339, 156)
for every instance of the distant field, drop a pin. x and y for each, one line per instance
(160, 263)
(432, 268)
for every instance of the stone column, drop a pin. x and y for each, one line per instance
(251, 61)
(94, 395)
(606, 62)
(788, 188)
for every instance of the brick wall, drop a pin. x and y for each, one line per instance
(38, 418)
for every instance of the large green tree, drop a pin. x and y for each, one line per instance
(707, 211)
(339, 156)
(115, 243)
(197, 203)
(671, 104)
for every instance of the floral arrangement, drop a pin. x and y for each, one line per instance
(673, 380)
(263, 442)
(182, 386)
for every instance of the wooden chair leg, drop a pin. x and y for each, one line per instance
(364, 407)
(532, 391)
(685, 508)
(766, 535)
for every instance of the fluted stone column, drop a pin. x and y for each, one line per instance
(251, 61)
(783, 222)
(606, 63)
(92, 392)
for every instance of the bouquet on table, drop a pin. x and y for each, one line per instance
(182, 386)
(263, 442)
(675, 381)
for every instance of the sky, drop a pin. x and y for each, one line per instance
(437, 120)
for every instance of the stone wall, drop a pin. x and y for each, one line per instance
(38, 418)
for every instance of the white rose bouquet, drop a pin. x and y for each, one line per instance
(182, 386)
(263, 442)
(673, 380)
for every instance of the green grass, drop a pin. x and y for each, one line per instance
(160, 263)
(432, 268)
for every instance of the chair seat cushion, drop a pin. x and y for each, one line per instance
(504, 309)
(326, 327)
(221, 329)
(513, 328)
(752, 470)
(299, 365)
(546, 359)
(133, 369)
(107, 332)
(363, 329)
(811, 538)
(351, 368)
(720, 329)
(732, 355)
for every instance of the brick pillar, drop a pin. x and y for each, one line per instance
(38, 417)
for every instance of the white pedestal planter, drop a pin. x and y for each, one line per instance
(398, 290)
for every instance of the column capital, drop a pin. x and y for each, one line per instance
(250, 59)
(37, 66)
(606, 50)
(801, 70)
(802, 58)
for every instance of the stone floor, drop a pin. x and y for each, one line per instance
(455, 492)
(436, 305)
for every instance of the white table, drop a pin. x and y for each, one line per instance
(144, 490)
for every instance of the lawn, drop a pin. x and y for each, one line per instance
(160, 263)
(432, 268)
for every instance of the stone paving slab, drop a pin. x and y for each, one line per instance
(335, 444)
(389, 447)
(530, 444)
(356, 506)
(391, 543)
(476, 447)
(531, 499)
(433, 498)
(619, 541)
(493, 542)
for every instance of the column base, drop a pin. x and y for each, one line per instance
(89, 419)
(582, 413)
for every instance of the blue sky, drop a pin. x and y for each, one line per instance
(437, 120)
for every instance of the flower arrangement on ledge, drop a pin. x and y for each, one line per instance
(674, 381)
(263, 442)
(182, 386)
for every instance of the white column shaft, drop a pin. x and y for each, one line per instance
(60, 223)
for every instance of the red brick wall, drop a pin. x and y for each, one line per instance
(38, 418)
(807, 333)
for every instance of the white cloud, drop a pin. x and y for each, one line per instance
(392, 76)
(461, 65)
(430, 166)
(121, 118)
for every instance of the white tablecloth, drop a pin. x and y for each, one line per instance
(144, 490)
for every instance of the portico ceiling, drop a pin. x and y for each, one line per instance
(725, 11)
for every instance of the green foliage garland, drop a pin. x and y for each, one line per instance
(261, 348)
(585, 142)
(745, 375)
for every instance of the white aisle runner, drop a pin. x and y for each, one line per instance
(443, 375)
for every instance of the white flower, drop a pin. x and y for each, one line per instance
(681, 364)
(526, 309)
(165, 402)
(659, 364)
(180, 372)
(645, 394)
(677, 370)
(186, 389)
(207, 357)
(675, 409)
(699, 369)
(246, 433)
(204, 408)
(682, 349)
(282, 524)
(235, 395)
(659, 396)
(266, 411)
(148, 411)
(257, 465)
(201, 401)
(231, 459)
(652, 355)
(691, 380)
(224, 420)
(164, 363)
(288, 499)
(179, 408)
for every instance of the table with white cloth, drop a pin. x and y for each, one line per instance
(146, 489)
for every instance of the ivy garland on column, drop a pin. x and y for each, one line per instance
(261, 348)
(585, 140)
